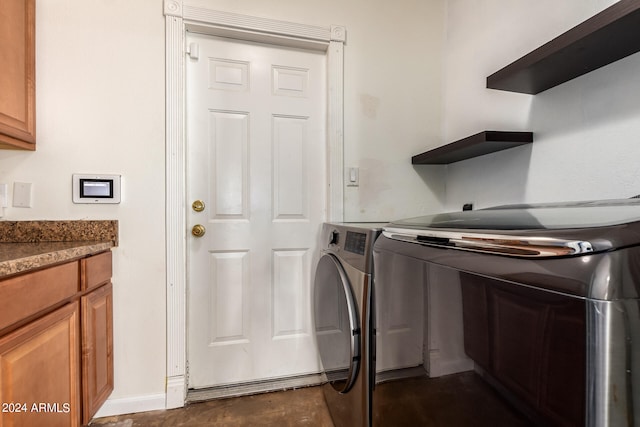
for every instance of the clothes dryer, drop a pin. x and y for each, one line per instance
(342, 306)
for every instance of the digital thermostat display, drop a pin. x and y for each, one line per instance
(96, 188)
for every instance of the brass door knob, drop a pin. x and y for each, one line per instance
(198, 230)
(198, 206)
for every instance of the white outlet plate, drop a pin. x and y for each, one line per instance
(21, 194)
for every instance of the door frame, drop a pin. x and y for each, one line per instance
(180, 18)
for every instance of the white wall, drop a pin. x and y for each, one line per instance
(100, 109)
(585, 131)
(392, 94)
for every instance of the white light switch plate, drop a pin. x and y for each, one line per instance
(21, 194)
(4, 196)
(353, 177)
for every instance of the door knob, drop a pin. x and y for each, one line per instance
(198, 230)
(198, 206)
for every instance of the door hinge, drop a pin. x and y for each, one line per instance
(193, 50)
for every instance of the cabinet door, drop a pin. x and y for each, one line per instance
(39, 372)
(97, 349)
(17, 77)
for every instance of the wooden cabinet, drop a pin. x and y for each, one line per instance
(17, 77)
(96, 270)
(56, 343)
(39, 372)
(97, 334)
(531, 342)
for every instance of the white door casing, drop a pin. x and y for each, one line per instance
(178, 19)
(256, 145)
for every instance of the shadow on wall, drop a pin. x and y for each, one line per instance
(389, 190)
(434, 177)
(586, 136)
(602, 97)
(585, 146)
(489, 180)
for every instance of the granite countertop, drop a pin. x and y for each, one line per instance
(21, 257)
(28, 245)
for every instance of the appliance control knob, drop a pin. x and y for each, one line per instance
(333, 237)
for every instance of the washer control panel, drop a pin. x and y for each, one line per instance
(355, 242)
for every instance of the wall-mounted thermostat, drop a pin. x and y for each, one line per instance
(96, 188)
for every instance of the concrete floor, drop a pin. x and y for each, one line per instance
(302, 407)
(461, 400)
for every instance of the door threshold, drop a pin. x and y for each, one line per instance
(255, 387)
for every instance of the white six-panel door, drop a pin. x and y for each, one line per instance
(256, 145)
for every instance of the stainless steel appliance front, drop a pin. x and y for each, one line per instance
(342, 302)
(550, 302)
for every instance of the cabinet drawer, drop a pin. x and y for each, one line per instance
(96, 270)
(26, 295)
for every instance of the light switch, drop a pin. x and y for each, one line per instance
(353, 177)
(4, 196)
(21, 194)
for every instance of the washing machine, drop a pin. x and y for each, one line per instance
(544, 299)
(342, 310)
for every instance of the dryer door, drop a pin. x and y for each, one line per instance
(337, 324)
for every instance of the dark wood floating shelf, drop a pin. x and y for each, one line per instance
(607, 37)
(476, 145)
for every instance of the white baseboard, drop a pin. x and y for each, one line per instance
(176, 392)
(130, 405)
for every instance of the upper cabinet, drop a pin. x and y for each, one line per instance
(17, 75)
(607, 37)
